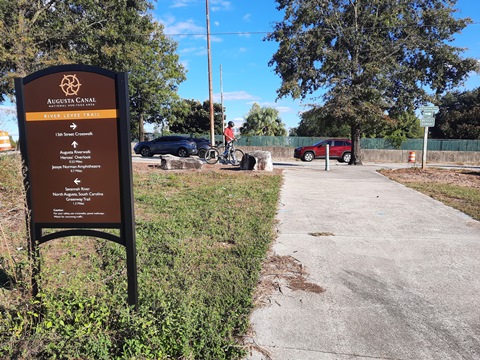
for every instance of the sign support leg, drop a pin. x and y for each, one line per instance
(424, 153)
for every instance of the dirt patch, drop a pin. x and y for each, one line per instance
(466, 178)
(279, 272)
(319, 234)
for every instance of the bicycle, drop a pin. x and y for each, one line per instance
(233, 156)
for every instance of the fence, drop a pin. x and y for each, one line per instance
(366, 143)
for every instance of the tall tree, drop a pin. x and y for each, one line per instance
(459, 116)
(317, 122)
(193, 117)
(370, 56)
(153, 83)
(119, 35)
(263, 121)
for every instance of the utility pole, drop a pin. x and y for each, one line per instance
(221, 95)
(210, 88)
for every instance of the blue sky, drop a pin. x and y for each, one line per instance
(246, 76)
(238, 28)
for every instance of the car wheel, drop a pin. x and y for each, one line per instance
(308, 156)
(145, 152)
(346, 157)
(182, 152)
(201, 153)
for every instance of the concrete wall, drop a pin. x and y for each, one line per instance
(394, 156)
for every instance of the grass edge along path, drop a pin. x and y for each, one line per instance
(201, 239)
(459, 189)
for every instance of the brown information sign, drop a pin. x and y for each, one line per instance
(75, 143)
(71, 132)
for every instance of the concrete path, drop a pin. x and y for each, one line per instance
(401, 272)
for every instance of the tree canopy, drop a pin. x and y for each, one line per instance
(459, 116)
(119, 35)
(317, 122)
(263, 121)
(370, 57)
(193, 117)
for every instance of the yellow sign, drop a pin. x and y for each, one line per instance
(71, 115)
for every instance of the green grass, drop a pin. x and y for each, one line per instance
(456, 188)
(465, 199)
(201, 239)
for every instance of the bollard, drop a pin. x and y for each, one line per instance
(327, 157)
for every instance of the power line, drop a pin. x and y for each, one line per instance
(269, 32)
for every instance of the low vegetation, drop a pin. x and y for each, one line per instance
(201, 239)
(459, 189)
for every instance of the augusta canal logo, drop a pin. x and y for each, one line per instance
(70, 85)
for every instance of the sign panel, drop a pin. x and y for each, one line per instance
(428, 116)
(75, 143)
(71, 131)
(427, 122)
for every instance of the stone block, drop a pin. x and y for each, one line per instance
(170, 162)
(257, 160)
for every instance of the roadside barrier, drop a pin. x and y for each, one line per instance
(5, 141)
(411, 157)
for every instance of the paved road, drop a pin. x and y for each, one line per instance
(401, 272)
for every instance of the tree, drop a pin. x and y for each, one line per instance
(398, 128)
(119, 35)
(193, 117)
(371, 56)
(317, 122)
(154, 81)
(459, 116)
(263, 121)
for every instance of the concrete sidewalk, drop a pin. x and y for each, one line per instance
(401, 272)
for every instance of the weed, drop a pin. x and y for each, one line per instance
(201, 238)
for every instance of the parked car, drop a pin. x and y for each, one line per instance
(340, 149)
(176, 145)
(202, 146)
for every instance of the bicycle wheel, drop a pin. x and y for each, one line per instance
(212, 156)
(236, 157)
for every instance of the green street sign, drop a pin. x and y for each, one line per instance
(427, 122)
(428, 116)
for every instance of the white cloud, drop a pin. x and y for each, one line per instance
(181, 28)
(247, 17)
(235, 96)
(218, 5)
(186, 28)
(182, 3)
(281, 109)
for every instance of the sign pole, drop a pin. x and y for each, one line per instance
(424, 153)
(427, 120)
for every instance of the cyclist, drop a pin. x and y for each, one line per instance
(229, 137)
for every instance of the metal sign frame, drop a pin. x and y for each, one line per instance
(427, 120)
(80, 227)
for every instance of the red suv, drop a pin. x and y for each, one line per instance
(340, 149)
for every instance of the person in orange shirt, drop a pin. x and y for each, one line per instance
(229, 137)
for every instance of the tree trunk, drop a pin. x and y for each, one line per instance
(356, 134)
(141, 130)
